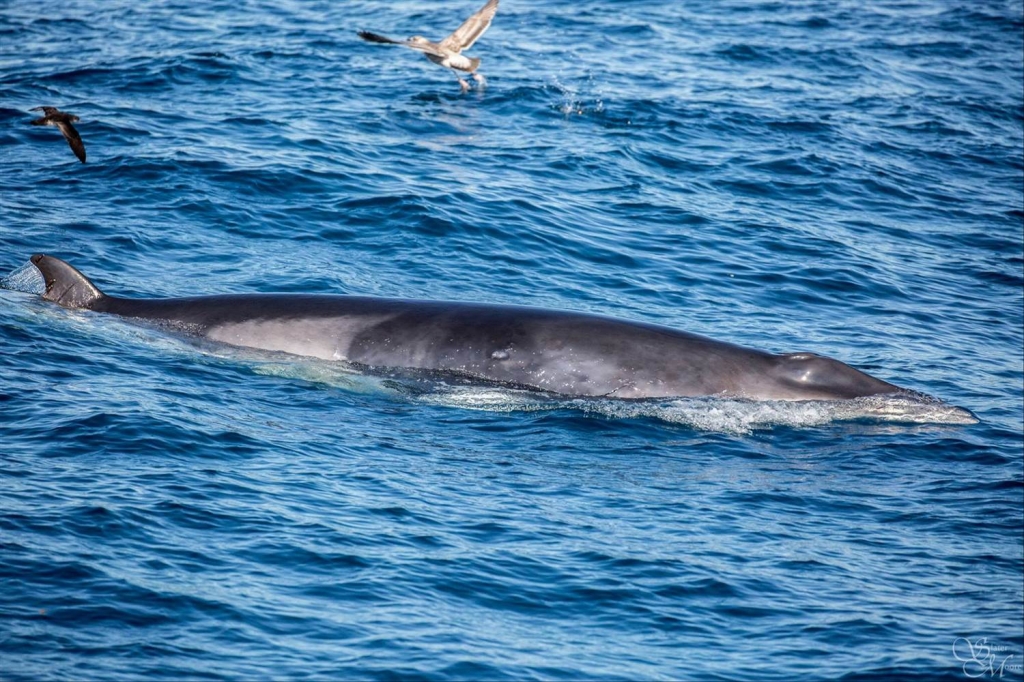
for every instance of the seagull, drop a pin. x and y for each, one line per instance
(52, 116)
(448, 52)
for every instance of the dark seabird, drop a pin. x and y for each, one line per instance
(55, 117)
(447, 53)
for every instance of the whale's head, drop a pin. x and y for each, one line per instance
(816, 377)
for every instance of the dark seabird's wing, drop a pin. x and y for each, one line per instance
(464, 36)
(48, 111)
(73, 138)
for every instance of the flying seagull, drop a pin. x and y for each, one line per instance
(52, 116)
(448, 52)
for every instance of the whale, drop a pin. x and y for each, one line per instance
(553, 351)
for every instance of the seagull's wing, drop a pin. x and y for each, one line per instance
(378, 38)
(73, 138)
(424, 46)
(471, 30)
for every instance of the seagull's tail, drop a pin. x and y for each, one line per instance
(474, 64)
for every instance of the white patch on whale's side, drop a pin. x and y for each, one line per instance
(325, 339)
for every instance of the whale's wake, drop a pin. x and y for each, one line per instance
(716, 414)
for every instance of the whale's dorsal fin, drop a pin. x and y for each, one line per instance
(65, 285)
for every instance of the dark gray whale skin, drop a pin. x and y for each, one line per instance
(561, 352)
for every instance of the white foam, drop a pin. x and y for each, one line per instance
(715, 414)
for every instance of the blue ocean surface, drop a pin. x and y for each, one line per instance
(830, 176)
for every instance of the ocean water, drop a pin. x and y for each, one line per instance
(837, 177)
